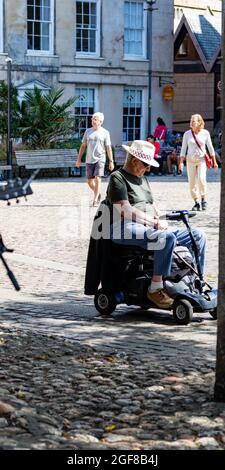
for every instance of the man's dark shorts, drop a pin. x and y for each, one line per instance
(95, 169)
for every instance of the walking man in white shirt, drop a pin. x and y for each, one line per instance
(97, 142)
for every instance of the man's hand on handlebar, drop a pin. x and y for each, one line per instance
(160, 224)
(163, 225)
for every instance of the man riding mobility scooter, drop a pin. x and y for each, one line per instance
(122, 260)
(124, 273)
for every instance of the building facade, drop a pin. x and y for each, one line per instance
(200, 7)
(197, 51)
(104, 52)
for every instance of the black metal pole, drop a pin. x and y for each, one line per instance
(9, 138)
(150, 70)
(150, 10)
(219, 388)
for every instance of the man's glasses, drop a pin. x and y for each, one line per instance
(146, 165)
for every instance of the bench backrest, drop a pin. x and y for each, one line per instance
(119, 155)
(5, 167)
(48, 158)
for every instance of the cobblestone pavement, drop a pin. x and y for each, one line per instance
(72, 380)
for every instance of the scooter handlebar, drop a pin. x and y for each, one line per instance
(179, 215)
(191, 213)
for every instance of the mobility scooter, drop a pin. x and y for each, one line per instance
(124, 273)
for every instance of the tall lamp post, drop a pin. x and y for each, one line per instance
(150, 9)
(9, 120)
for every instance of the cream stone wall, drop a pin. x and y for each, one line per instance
(109, 72)
(214, 5)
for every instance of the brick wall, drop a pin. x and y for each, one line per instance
(194, 94)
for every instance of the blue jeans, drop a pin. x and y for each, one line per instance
(161, 242)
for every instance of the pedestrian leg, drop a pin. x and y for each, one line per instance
(97, 190)
(91, 183)
(193, 181)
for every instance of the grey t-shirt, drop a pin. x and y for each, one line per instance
(96, 141)
(126, 187)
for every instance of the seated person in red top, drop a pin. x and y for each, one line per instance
(156, 144)
(157, 148)
(158, 157)
(160, 130)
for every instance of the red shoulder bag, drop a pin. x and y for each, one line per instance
(208, 158)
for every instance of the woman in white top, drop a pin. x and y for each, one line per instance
(196, 165)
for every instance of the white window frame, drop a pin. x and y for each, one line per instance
(1, 26)
(97, 38)
(144, 34)
(37, 52)
(96, 99)
(130, 88)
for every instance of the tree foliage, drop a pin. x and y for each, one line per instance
(44, 118)
(15, 111)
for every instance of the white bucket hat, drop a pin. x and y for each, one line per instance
(142, 150)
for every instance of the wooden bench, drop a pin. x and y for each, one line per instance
(47, 158)
(119, 156)
(4, 169)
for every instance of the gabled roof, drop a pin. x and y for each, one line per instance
(205, 33)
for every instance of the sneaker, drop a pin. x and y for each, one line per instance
(160, 298)
(204, 205)
(196, 207)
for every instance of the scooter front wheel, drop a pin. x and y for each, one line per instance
(105, 302)
(182, 311)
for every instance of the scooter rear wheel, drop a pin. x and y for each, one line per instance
(105, 302)
(182, 311)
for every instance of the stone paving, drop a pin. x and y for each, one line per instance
(72, 380)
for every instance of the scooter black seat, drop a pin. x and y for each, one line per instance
(129, 251)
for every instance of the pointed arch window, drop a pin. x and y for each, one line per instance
(183, 49)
